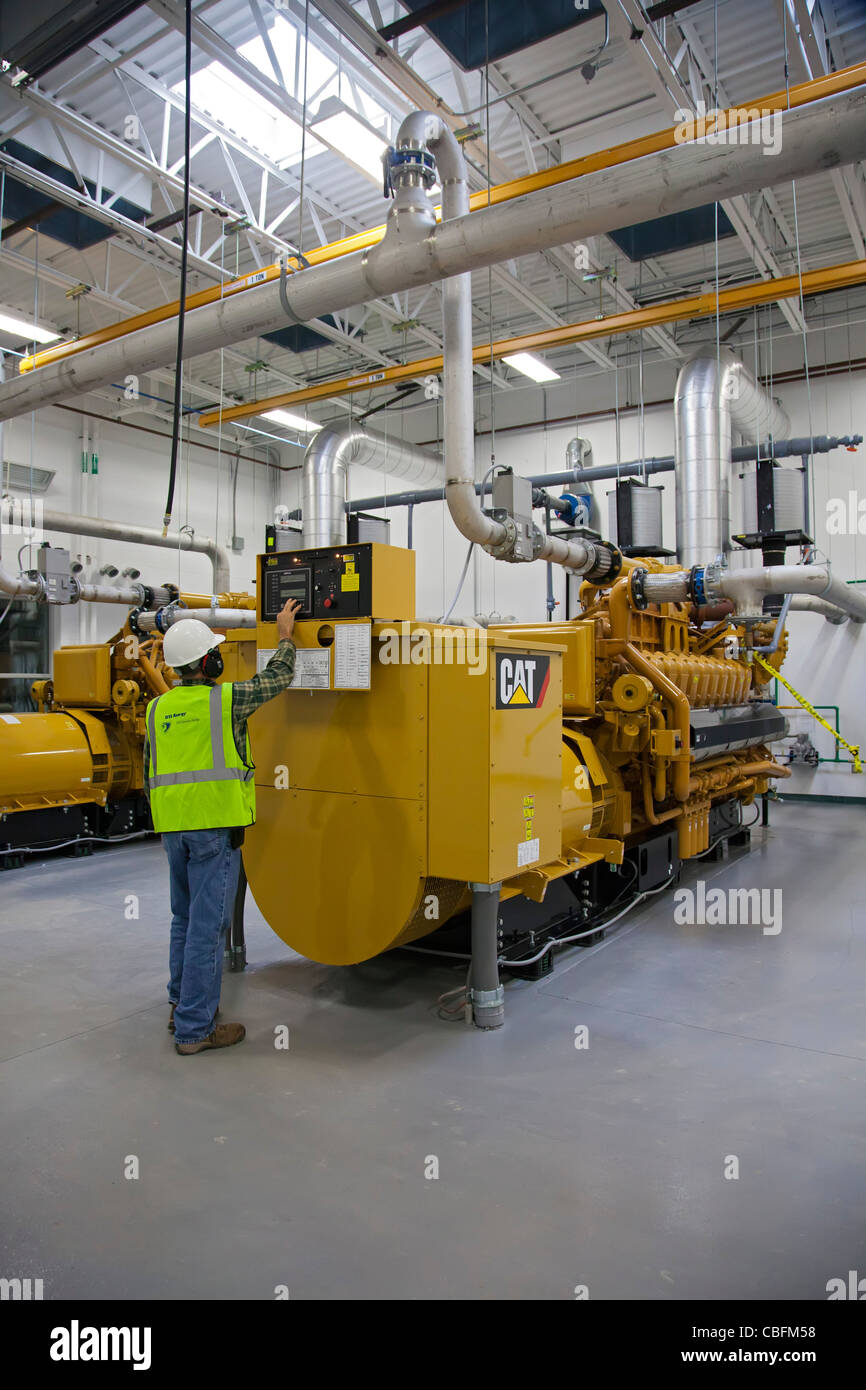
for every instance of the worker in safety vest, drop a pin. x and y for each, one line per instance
(199, 778)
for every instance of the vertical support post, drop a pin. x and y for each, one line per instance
(411, 513)
(238, 947)
(807, 518)
(765, 809)
(486, 992)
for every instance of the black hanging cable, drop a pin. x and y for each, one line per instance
(181, 315)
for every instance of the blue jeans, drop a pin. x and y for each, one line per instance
(204, 878)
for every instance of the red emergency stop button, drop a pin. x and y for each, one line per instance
(330, 603)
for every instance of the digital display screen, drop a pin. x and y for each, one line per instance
(284, 584)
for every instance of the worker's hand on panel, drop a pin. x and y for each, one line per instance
(286, 618)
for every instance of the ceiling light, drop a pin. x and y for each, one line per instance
(27, 332)
(351, 137)
(291, 422)
(531, 366)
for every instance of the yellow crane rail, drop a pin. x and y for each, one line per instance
(693, 306)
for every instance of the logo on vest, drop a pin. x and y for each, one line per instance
(177, 714)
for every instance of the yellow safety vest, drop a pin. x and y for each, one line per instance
(197, 779)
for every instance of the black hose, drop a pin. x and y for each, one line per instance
(181, 315)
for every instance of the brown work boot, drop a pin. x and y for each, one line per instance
(224, 1035)
(171, 1017)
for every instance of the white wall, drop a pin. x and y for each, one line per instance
(131, 485)
(827, 663)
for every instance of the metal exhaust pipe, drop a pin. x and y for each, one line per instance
(826, 134)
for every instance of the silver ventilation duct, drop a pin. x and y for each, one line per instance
(714, 394)
(826, 134)
(99, 529)
(326, 468)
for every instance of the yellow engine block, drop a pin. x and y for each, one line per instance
(544, 749)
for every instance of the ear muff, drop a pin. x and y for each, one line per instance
(212, 664)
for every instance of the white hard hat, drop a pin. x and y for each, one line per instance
(188, 641)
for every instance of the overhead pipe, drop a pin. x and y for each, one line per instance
(325, 475)
(708, 304)
(793, 96)
(714, 393)
(412, 220)
(95, 527)
(825, 134)
(782, 448)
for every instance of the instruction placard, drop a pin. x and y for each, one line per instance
(352, 648)
(312, 669)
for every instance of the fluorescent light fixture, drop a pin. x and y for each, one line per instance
(351, 136)
(531, 366)
(27, 332)
(291, 422)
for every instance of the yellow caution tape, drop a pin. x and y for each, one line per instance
(853, 748)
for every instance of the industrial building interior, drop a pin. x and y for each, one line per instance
(525, 348)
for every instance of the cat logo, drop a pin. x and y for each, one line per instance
(521, 681)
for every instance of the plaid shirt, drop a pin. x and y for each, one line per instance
(248, 696)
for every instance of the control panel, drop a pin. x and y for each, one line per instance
(365, 580)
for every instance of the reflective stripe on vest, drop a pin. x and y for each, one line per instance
(196, 797)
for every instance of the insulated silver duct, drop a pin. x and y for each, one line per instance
(412, 220)
(748, 587)
(578, 453)
(804, 603)
(133, 595)
(326, 466)
(144, 535)
(825, 134)
(228, 618)
(714, 393)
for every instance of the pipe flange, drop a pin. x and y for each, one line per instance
(705, 582)
(502, 550)
(638, 593)
(407, 160)
(165, 615)
(40, 596)
(134, 627)
(606, 564)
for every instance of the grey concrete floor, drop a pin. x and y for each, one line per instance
(558, 1167)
